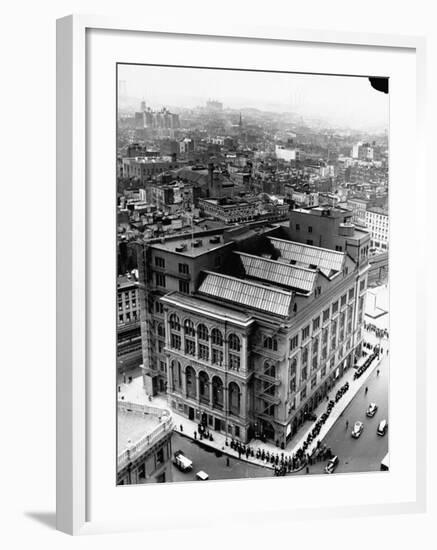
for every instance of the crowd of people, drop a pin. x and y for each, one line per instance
(372, 348)
(362, 369)
(284, 464)
(379, 332)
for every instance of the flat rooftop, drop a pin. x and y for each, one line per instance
(202, 244)
(123, 281)
(133, 427)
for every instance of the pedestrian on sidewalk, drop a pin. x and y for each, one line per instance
(227, 461)
(181, 428)
(377, 372)
(307, 469)
(366, 390)
(347, 424)
(195, 434)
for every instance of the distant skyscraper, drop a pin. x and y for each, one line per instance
(214, 106)
(143, 105)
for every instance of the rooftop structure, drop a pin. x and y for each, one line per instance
(294, 277)
(192, 247)
(329, 262)
(247, 293)
(210, 310)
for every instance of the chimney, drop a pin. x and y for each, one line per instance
(210, 177)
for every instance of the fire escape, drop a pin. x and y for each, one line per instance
(266, 385)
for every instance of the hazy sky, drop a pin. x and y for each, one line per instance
(342, 100)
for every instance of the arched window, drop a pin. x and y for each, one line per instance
(189, 327)
(204, 387)
(175, 324)
(216, 337)
(202, 332)
(161, 330)
(234, 342)
(217, 392)
(190, 379)
(234, 398)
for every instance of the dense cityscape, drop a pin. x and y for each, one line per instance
(252, 293)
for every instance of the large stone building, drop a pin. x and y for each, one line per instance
(255, 328)
(145, 168)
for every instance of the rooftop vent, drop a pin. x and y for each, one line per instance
(214, 240)
(196, 243)
(181, 247)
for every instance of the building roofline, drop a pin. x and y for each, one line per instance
(308, 245)
(250, 282)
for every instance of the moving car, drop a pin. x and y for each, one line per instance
(202, 476)
(332, 465)
(357, 429)
(371, 410)
(182, 462)
(382, 427)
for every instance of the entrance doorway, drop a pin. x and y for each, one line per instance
(190, 413)
(204, 419)
(217, 424)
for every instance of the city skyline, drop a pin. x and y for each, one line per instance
(341, 101)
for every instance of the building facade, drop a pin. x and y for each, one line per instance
(129, 351)
(377, 224)
(253, 346)
(358, 208)
(329, 227)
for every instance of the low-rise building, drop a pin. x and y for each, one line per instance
(144, 168)
(129, 354)
(287, 153)
(144, 444)
(229, 211)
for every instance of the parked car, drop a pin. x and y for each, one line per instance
(182, 462)
(202, 476)
(357, 429)
(332, 465)
(382, 427)
(371, 410)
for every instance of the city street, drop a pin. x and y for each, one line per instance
(206, 459)
(365, 453)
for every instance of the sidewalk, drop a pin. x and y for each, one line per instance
(135, 393)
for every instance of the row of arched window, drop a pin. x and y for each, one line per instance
(203, 333)
(208, 388)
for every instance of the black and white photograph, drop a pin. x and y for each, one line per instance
(252, 291)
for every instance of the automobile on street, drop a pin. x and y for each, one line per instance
(357, 429)
(371, 410)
